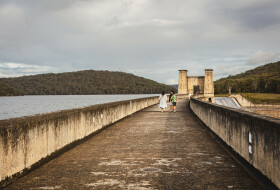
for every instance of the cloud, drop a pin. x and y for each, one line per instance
(151, 38)
(18, 69)
(247, 15)
(261, 57)
(171, 81)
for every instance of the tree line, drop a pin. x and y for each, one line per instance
(6, 90)
(263, 79)
(85, 82)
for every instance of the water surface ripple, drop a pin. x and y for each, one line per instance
(19, 106)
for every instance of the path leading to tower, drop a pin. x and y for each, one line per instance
(148, 150)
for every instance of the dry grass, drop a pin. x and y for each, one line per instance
(269, 112)
(222, 95)
(262, 98)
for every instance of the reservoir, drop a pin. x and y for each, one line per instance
(19, 106)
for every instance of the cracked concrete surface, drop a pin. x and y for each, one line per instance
(148, 150)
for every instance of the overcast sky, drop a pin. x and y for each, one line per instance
(149, 38)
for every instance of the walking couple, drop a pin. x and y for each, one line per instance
(172, 101)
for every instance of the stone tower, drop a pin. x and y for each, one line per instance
(183, 82)
(208, 84)
(200, 86)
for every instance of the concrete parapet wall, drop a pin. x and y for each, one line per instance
(25, 141)
(245, 132)
(244, 102)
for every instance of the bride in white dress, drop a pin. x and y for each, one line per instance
(162, 101)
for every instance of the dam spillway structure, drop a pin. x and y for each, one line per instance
(201, 87)
(227, 101)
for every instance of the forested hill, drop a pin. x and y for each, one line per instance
(265, 78)
(8, 91)
(85, 82)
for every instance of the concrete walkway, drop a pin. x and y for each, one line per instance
(149, 150)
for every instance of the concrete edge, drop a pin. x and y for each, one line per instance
(55, 114)
(243, 112)
(250, 104)
(261, 179)
(9, 180)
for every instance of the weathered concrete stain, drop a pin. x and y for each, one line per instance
(234, 126)
(31, 140)
(150, 150)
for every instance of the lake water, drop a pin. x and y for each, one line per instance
(18, 106)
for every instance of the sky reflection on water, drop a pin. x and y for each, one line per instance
(18, 106)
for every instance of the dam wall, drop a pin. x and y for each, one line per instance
(254, 137)
(244, 102)
(28, 142)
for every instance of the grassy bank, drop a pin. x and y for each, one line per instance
(258, 98)
(222, 95)
(262, 98)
